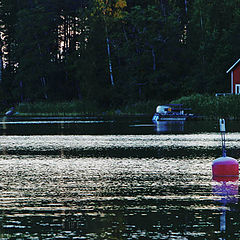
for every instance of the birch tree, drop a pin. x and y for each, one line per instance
(110, 9)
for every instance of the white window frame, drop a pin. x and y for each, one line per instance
(237, 87)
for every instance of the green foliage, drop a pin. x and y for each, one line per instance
(211, 106)
(76, 108)
(211, 36)
(159, 50)
(146, 107)
(57, 108)
(146, 46)
(205, 106)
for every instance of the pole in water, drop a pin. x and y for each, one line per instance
(223, 132)
(224, 167)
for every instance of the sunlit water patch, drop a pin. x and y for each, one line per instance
(141, 146)
(114, 187)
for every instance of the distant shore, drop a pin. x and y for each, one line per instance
(204, 106)
(78, 108)
(211, 106)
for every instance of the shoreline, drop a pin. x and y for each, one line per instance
(204, 107)
(79, 116)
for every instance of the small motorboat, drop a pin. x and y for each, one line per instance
(171, 112)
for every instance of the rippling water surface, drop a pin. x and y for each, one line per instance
(108, 180)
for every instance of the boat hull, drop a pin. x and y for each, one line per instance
(157, 118)
(172, 119)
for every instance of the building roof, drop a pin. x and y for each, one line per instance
(233, 66)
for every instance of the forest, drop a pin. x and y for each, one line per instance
(116, 52)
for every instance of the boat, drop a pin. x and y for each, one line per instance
(171, 112)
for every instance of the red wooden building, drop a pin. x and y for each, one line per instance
(235, 77)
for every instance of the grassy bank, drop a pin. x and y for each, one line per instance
(209, 107)
(212, 107)
(73, 108)
(78, 108)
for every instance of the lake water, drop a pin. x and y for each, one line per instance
(90, 178)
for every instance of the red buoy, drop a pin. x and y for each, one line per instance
(225, 167)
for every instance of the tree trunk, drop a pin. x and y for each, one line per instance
(109, 57)
(154, 59)
(43, 81)
(186, 7)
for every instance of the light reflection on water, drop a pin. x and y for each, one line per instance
(113, 141)
(113, 187)
(99, 188)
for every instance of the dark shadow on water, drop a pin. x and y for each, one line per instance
(103, 125)
(131, 152)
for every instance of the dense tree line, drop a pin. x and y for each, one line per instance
(113, 52)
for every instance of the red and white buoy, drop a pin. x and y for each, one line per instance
(224, 167)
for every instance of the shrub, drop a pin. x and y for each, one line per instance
(212, 106)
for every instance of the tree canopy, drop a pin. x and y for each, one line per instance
(113, 52)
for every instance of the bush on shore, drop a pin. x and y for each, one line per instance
(75, 108)
(58, 109)
(212, 106)
(202, 105)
